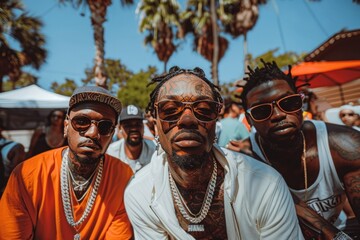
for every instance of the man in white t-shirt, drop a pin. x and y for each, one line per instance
(132, 149)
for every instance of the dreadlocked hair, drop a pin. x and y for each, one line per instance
(269, 72)
(174, 71)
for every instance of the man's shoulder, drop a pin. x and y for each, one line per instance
(114, 162)
(229, 120)
(250, 166)
(150, 143)
(114, 147)
(141, 181)
(41, 164)
(116, 143)
(4, 142)
(149, 174)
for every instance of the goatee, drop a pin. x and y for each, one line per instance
(88, 160)
(134, 143)
(190, 162)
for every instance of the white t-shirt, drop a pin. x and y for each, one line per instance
(117, 149)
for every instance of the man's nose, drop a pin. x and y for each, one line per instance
(277, 112)
(187, 118)
(92, 131)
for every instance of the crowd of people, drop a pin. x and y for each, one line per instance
(195, 166)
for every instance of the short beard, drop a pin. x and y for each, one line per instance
(287, 146)
(88, 160)
(190, 162)
(134, 143)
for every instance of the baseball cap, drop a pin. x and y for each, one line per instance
(355, 109)
(94, 94)
(131, 112)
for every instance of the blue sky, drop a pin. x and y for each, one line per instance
(304, 26)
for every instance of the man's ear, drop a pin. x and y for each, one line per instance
(249, 119)
(66, 126)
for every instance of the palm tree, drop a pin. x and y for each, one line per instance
(201, 19)
(238, 17)
(98, 10)
(159, 19)
(23, 30)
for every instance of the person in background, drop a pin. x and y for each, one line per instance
(72, 192)
(132, 149)
(50, 136)
(231, 127)
(150, 128)
(349, 115)
(191, 189)
(319, 161)
(11, 154)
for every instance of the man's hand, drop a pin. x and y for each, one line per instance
(239, 145)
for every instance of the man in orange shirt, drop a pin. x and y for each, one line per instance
(73, 192)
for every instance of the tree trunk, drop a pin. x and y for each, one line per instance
(98, 13)
(1, 83)
(215, 59)
(246, 59)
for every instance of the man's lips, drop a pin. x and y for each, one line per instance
(187, 140)
(282, 127)
(134, 134)
(90, 145)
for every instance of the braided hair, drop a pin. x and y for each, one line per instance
(174, 71)
(269, 72)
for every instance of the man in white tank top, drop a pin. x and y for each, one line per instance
(320, 162)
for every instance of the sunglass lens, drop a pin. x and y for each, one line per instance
(105, 127)
(291, 104)
(261, 112)
(57, 116)
(170, 110)
(347, 114)
(205, 110)
(81, 123)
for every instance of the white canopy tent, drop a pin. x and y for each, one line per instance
(32, 97)
(23, 110)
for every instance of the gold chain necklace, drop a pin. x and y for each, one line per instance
(303, 159)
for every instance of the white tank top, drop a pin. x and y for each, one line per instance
(326, 195)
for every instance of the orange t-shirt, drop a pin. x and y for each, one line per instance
(31, 206)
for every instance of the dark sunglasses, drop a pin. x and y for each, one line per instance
(82, 124)
(57, 116)
(203, 110)
(347, 114)
(288, 104)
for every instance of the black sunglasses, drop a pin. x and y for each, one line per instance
(347, 114)
(82, 124)
(203, 110)
(57, 116)
(288, 104)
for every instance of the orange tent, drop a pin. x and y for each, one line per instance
(325, 74)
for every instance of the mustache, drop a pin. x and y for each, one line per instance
(187, 131)
(90, 143)
(131, 132)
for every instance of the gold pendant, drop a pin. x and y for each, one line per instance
(196, 228)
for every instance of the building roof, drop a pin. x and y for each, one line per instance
(341, 46)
